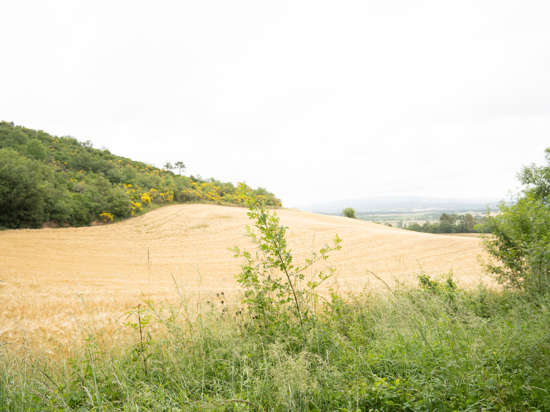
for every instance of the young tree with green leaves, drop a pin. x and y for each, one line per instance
(180, 166)
(276, 288)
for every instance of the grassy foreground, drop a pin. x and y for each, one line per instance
(432, 348)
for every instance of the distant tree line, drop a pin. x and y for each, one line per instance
(44, 178)
(452, 223)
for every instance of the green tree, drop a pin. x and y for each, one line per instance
(466, 223)
(180, 166)
(447, 223)
(349, 212)
(414, 226)
(23, 192)
(520, 247)
(37, 150)
(537, 179)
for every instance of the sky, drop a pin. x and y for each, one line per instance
(313, 100)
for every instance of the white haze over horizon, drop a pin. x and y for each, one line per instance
(313, 100)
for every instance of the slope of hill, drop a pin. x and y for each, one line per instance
(60, 180)
(55, 282)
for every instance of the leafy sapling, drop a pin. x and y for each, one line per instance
(142, 322)
(272, 281)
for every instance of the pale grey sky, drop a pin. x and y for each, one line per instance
(314, 100)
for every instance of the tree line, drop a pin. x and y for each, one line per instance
(63, 181)
(452, 223)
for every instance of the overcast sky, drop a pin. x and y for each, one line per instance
(314, 100)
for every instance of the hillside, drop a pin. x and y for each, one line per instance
(55, 282)
(61, 181)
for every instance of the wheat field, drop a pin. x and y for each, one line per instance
(57, 285)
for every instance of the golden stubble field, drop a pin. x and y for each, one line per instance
(57, 285)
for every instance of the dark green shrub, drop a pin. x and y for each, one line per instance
(349, 212)
(23, 190)
(37, 150)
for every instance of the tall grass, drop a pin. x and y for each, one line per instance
(431, 348)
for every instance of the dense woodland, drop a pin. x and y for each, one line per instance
(62, 181)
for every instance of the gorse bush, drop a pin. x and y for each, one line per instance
(44, 178)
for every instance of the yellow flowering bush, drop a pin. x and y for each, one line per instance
(146, 199)
(136, 207)
(107, 217)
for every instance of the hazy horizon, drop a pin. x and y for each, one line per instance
(313, 100)
(402, 203)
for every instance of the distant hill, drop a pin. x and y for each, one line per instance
(402, 204)
(62, 181)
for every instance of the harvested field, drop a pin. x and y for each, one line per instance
(56, 284)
